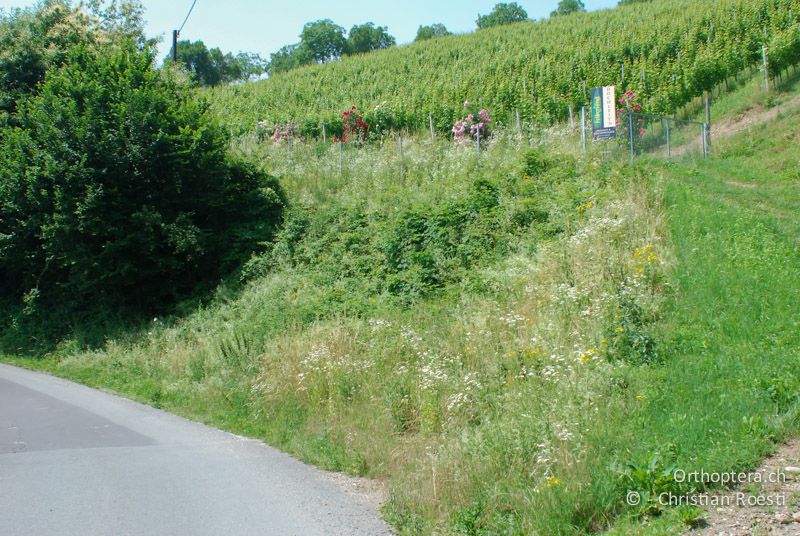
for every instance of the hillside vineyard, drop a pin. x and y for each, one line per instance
(668, 52)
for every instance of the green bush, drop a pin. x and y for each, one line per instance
(117, 191)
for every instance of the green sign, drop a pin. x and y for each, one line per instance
(604, 113)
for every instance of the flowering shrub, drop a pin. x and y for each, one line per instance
(282, 132)
(472, 126)
(353, 127)
(630, 103)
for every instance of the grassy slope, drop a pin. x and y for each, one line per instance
(372, 393)
(730, 386)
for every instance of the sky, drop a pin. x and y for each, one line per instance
(264, 26)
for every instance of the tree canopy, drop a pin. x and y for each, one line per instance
(567, 7)
(323, 41)
(213, 67)
(503, 13)
(429, 32)
(34, 39)
(368, 37)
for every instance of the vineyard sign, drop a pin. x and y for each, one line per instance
(604, 113)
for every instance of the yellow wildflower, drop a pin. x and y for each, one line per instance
(553, 481)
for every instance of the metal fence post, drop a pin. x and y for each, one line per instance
(704, 132)
(340, 158)
(402, 160)
(630, 131)
(669, 147)
(583, 128)
(479, 143)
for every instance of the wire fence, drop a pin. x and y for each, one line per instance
(665, 136)
(637, 134)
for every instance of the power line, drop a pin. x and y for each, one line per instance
(176, 33)
(187, 16)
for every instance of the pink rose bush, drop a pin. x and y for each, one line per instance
(475, 126)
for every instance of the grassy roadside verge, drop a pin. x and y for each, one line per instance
(728, 390)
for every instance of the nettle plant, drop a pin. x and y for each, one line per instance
(476, 126)
(354, 128)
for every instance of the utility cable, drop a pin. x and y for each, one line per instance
(187, 16)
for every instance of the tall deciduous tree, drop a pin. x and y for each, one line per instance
(324, 40)
(503, 13)
(289, 57)
(567, 7)
(213, 67)
(368, 37)
(429, 32)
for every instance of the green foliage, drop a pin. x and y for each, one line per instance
(368, 37)
(212, 67)
(473, 402)
(33, 40)
(324, 40)
(651, 477)
(289, 57)
(502, 14)
(682, 46)
(427, 247)
(116, 190)
(429, 32)
(567, 7)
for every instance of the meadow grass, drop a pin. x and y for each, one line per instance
(511, 344)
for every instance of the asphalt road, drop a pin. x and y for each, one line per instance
(76, 461)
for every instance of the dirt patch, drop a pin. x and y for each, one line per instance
(743, 122)
(751, 118)
(743, 184)
(766, 503)
(368, 492)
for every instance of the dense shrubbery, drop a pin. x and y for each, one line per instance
(420, 247)
(35, 39)
(116, 189)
